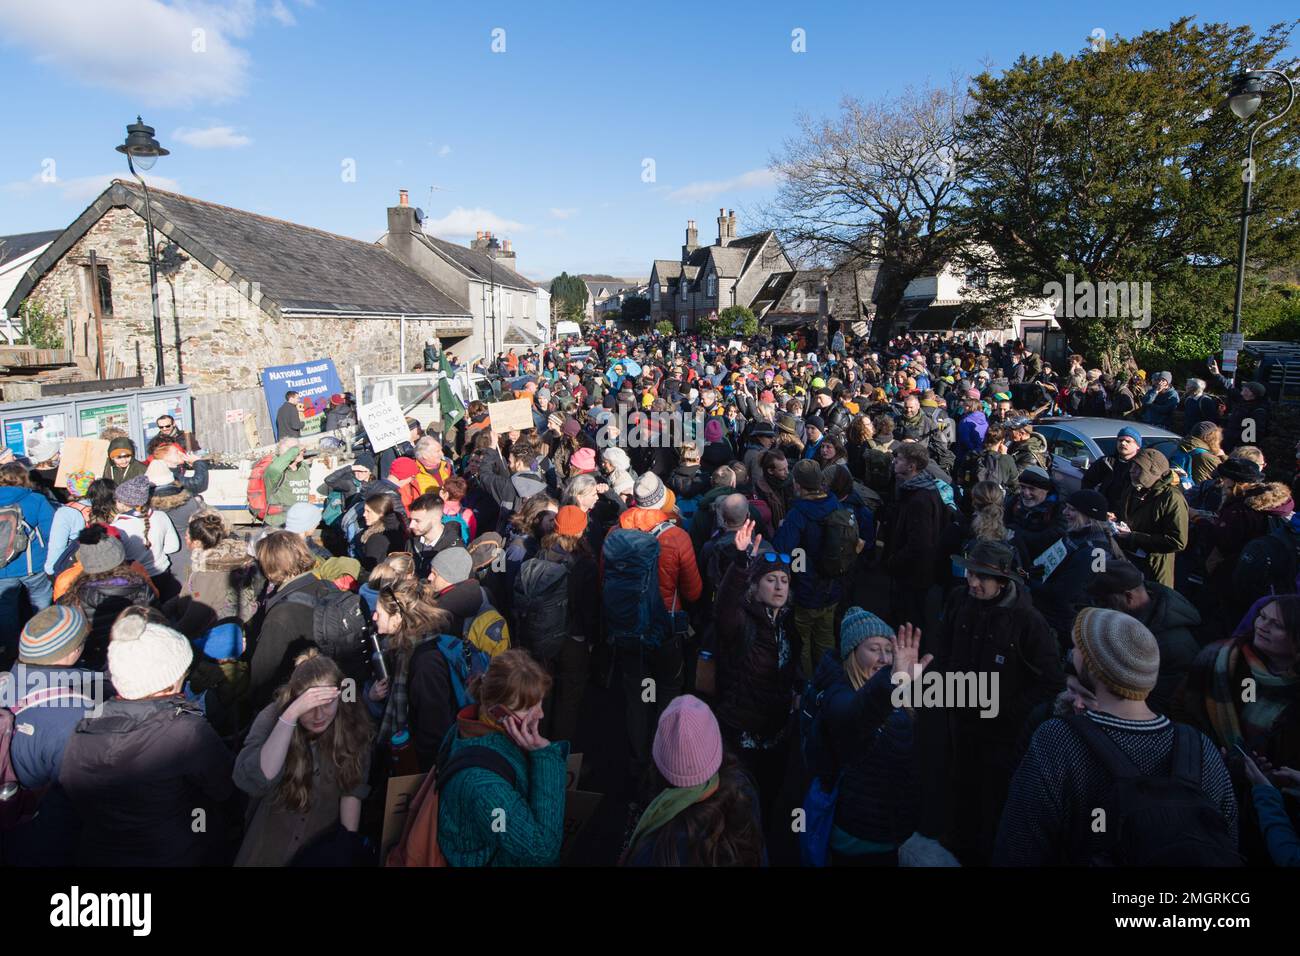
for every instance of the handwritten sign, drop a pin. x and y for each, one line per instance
(384, 423)
(397, 804)
(514, 415)
(82, 454)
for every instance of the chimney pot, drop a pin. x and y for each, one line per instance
(403, 199)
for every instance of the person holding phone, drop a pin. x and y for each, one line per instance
(506, 807)
(305, 765)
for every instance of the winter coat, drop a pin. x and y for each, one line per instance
(150, 540)
(1110, 476)
(286, 631)
(911, 547)
(1247, 515)
(1158, 517)
(1235, 431)
(1203, 462)
(1031, 451)
(1059, 596)
(462, 601)
(136, 776)
(970, 433)
(679, 574)
(102, 599)
(39, 515)
(1158, 407)
(273, 834)
(285, 486)
(687, 481)
(222, 578)
(474, 800)
(1173, 620)
(757, 655)
(383, 541)
(869, 742)
(1034, 529)
(180, 505)
(803, 528)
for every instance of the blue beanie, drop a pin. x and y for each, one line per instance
(1128, 431)
(857, 626)
(221, 643)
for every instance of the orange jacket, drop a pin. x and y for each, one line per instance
(679, 575)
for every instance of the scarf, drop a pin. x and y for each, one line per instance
(919, 482)
(1275, 692)
(668, 805)
(399, 700)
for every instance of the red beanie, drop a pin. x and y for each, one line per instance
(403, 468)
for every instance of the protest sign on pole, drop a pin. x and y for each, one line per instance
(384, 423)
(514, 415)
(314, 381)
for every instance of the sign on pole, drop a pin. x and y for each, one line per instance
(384, 423)
(514, 415)
(1232, 341)
(1229, 363)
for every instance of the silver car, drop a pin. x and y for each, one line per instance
(1075, 443)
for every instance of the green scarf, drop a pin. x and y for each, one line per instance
(668, 805)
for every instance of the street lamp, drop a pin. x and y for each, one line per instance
(1244, 98)
(142, 151)
(493, 247)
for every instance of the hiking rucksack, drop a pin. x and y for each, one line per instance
(464, 663)
(1270, 563)
(839, 550)
(15, 535)
(487, 630)
(1181, 461)
(541, 606)
(338, 627)
(1158, 819)
(633, 606)
(258, 505)
(19, 804)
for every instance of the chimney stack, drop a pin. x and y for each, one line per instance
(403, 199)
(692, 240)
(724, 235)
(731, 223)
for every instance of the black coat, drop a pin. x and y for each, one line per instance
(431, 705)
(382, 543)
(102, 600)
(286, 631)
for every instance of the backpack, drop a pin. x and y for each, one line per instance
(338, 628)
(19, 804)
(541, 606)
(632, 604)
(686, 507)
(1158, 820)
(839, 550)
(762, 509)
(418, 845)
(487, 630)
(1181, 462)
(464, 663)
(15, 534)
(1269, 564)
(945, 493)
(258, 505)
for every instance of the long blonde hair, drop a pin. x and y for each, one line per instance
(987, 499)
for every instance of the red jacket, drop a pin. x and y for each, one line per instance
(678, 572)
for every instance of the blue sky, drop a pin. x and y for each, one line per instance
(544, 142)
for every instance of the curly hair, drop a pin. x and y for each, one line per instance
(721, 830)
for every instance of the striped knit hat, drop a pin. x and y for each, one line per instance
(1118, 650)
(857, 626)
(53, 633)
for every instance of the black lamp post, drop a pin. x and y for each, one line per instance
(493, 247)
(1244, 97)
(142, 151)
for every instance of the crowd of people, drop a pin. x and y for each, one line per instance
(852, 610)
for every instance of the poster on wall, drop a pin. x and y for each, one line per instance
(155, 408)
(93, 419)
(314, 381)
(22, 433)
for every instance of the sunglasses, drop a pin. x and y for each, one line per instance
(771, 557)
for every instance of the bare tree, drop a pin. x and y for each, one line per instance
(878, 182)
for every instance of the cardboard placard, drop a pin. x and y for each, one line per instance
(397, 804)
(579, 807)
(81, 454)
(572, 770)
(384, 423)
(514, 415)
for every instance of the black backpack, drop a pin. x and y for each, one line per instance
(1158, 820)
(338, 627)
(839, 550)
(1269, 564)
(541, 606)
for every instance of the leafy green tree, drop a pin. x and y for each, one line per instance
(664, 327)
(636, 308)
(41, 328)
(1120, 164)
(569, 296)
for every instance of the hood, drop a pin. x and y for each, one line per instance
(1271, 497)
(169, 498)
(1189, 444)
(123, 716)
(9, 494)
(1037, 442)
(228, 555)
(642, 519)
(1169, 610)
(815, 508)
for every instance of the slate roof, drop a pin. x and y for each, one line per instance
(849, 293)
(17, 246)
(667, 269)
(478, 265)
(518, 335)
(297, 268)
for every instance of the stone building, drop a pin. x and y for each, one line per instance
(239, 292)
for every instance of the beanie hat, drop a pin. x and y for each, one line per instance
(972, 394)
(1118, 578)
(102, 556)
(571, 428)
(337, 399)
(118, 444)
(1128, 431)
(145, 658)
(616, 457)
(453, 565)
(688, 742)
(79, 482)
(583, 460)
(1117, 650)
(365, 460)
(713, 430)
(1036, 477)
(159, 474)
(571, 520)
(52, 633)
(808, 475)
(1239, 470)
(403, 468)
(857, 626)
(815, 421)
(622, 483)
(134, 493)
(1091, 503)
(649, 491)
(303, 517)
(1148, 467)
(222, 642)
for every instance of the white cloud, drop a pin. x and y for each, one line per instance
(754, 179)
(563, 213)
(465, 222)
(84, 188)
(445, 150)
(159, 52)
(213, 137)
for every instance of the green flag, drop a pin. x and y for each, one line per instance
(451, 408)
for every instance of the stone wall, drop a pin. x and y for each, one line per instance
(224, 338)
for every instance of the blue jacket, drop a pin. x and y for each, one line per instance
(1279, 833)
(970, 433)
(802, 529)
(1158, 407)
(39, 514)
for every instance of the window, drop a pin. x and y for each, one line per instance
(713, 285)
(977, 279)
(682, 288)
(105, 290)
(510, 305)
(654, 291)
